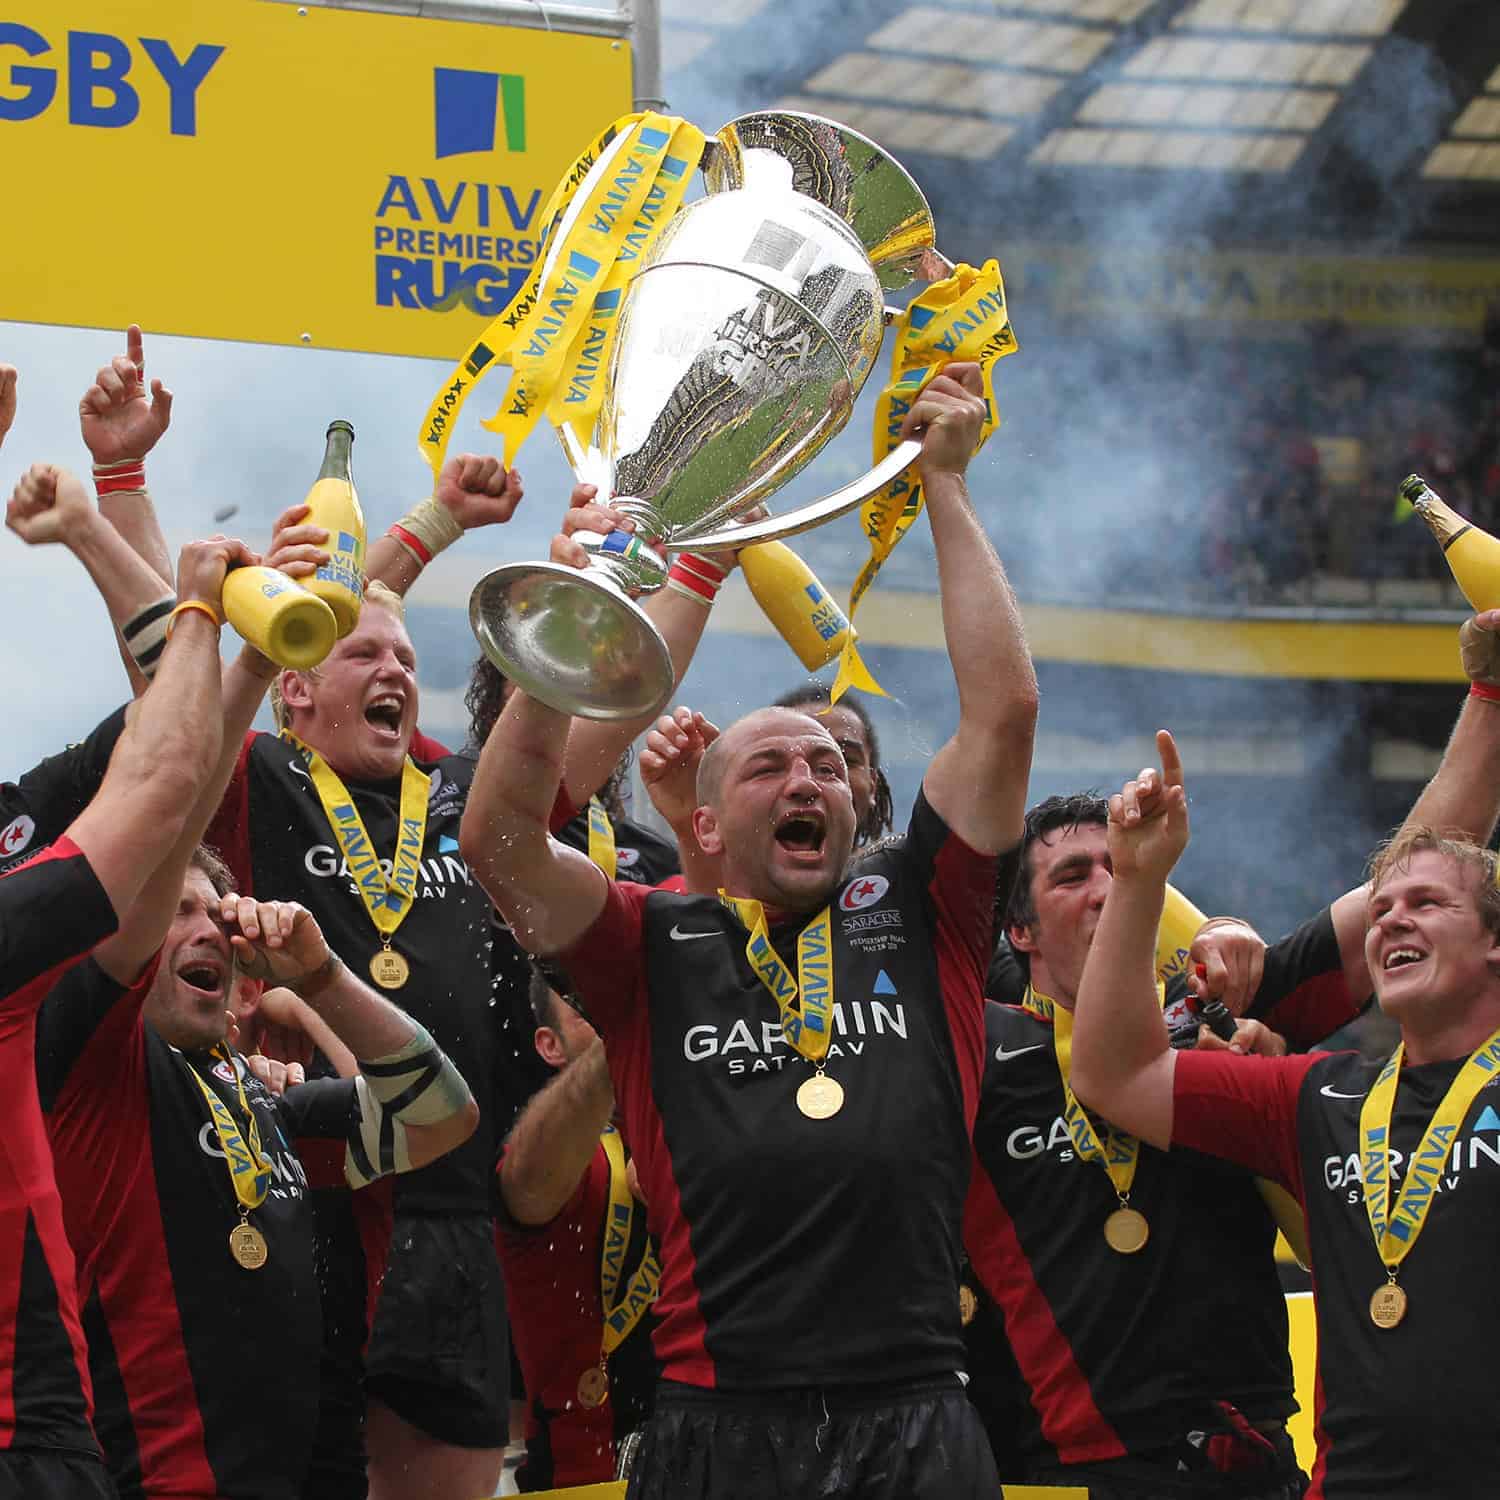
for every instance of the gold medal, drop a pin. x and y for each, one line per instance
(1126, 1231)
(1388, 1305)
(820, 1096)
(248, 1246)
(593, 1387)
(968, 1305)
(389, 969)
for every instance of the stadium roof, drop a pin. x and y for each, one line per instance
(1369, 119)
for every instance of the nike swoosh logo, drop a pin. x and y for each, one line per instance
(1001, 1055)
(679, 936)
(1332, 1093)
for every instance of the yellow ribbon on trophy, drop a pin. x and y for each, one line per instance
(557, 333)
(962, 317)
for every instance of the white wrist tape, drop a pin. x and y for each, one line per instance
(432, 525)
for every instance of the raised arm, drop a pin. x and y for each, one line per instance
(414, 1104)
(1123, 1063)
(549, 894)
(8, 382)
(977, 781)
(554, 1139)
(668, 763)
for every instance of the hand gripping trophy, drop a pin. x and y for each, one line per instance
(743, 343)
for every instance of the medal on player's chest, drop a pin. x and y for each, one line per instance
(820, 1097)
(1388, 1305)
(1126, 1230)
(389, 969)
(248, 1246)
(593, 1387)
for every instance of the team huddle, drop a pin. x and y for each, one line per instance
(364, 1096)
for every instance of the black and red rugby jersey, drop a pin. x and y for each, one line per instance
(52, 912)
(1120, 1354)
(1401, 1411)
(556, 1326)
(205, 1374)
(802, 1252)
(272, 830)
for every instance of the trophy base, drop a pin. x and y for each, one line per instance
(571, 640)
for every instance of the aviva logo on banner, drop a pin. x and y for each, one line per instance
(390, 201)
(464, 110)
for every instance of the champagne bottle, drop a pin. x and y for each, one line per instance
(802, 610)
(340, 582)
(279, 617)
(1472, 555)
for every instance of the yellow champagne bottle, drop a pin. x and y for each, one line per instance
(1472, 555)
(340, 583)
(791, 598)
(279, 617)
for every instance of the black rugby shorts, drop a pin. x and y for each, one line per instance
(52, 1474)
(917, 1441)
(439, 1349)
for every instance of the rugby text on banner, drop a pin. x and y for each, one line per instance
(962, 317)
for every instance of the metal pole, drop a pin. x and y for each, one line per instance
(541, 15)
(645, 52)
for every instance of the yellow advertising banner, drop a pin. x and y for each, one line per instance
(1121, 283)
(284, 174)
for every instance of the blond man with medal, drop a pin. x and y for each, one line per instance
(1394, 1163)
(797, 1059)
(581, 1269)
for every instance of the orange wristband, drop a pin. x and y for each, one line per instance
(197, 604)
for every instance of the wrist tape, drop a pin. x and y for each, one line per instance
(145, 636)
(696, 576)
(127, 474)
(416, 1086)
(425, 530)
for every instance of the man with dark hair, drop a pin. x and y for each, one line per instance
(581, 1268)
(1394, 1162)
(796, 1362)
(53, 911)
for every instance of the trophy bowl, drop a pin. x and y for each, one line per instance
(743, 344)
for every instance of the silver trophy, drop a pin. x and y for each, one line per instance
(743, 345)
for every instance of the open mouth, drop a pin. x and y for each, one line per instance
(205, 977)
(801, 833)
(1399, 958)
(384, 714)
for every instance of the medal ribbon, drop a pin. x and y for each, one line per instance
(557, 333)
(388, 899)
(1396, 1229)
(806, 1004)
(249, 1169)
(601, 838)
(962, 317)
(620, 1318)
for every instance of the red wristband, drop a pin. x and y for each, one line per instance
(1485, 691)
(698, 575)
(128, 474)
(410, 541)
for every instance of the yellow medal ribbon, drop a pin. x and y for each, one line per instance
(388, 899)
(556, 334)
(1118, 1153)
(1396, 1229)
(601, 838)
(962, 317)
(249, 1168)
(806, 1003)
(621, 1316)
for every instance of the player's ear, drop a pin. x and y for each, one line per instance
(549, 1046)
(1021, 938)
(706, 830)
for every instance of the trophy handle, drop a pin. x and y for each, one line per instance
(777, 528)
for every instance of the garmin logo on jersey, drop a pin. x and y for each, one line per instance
(862, 891)
(1028, 1141)
(762, 1049)
(16, 835)
(438, 874)
(1479, 1149)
